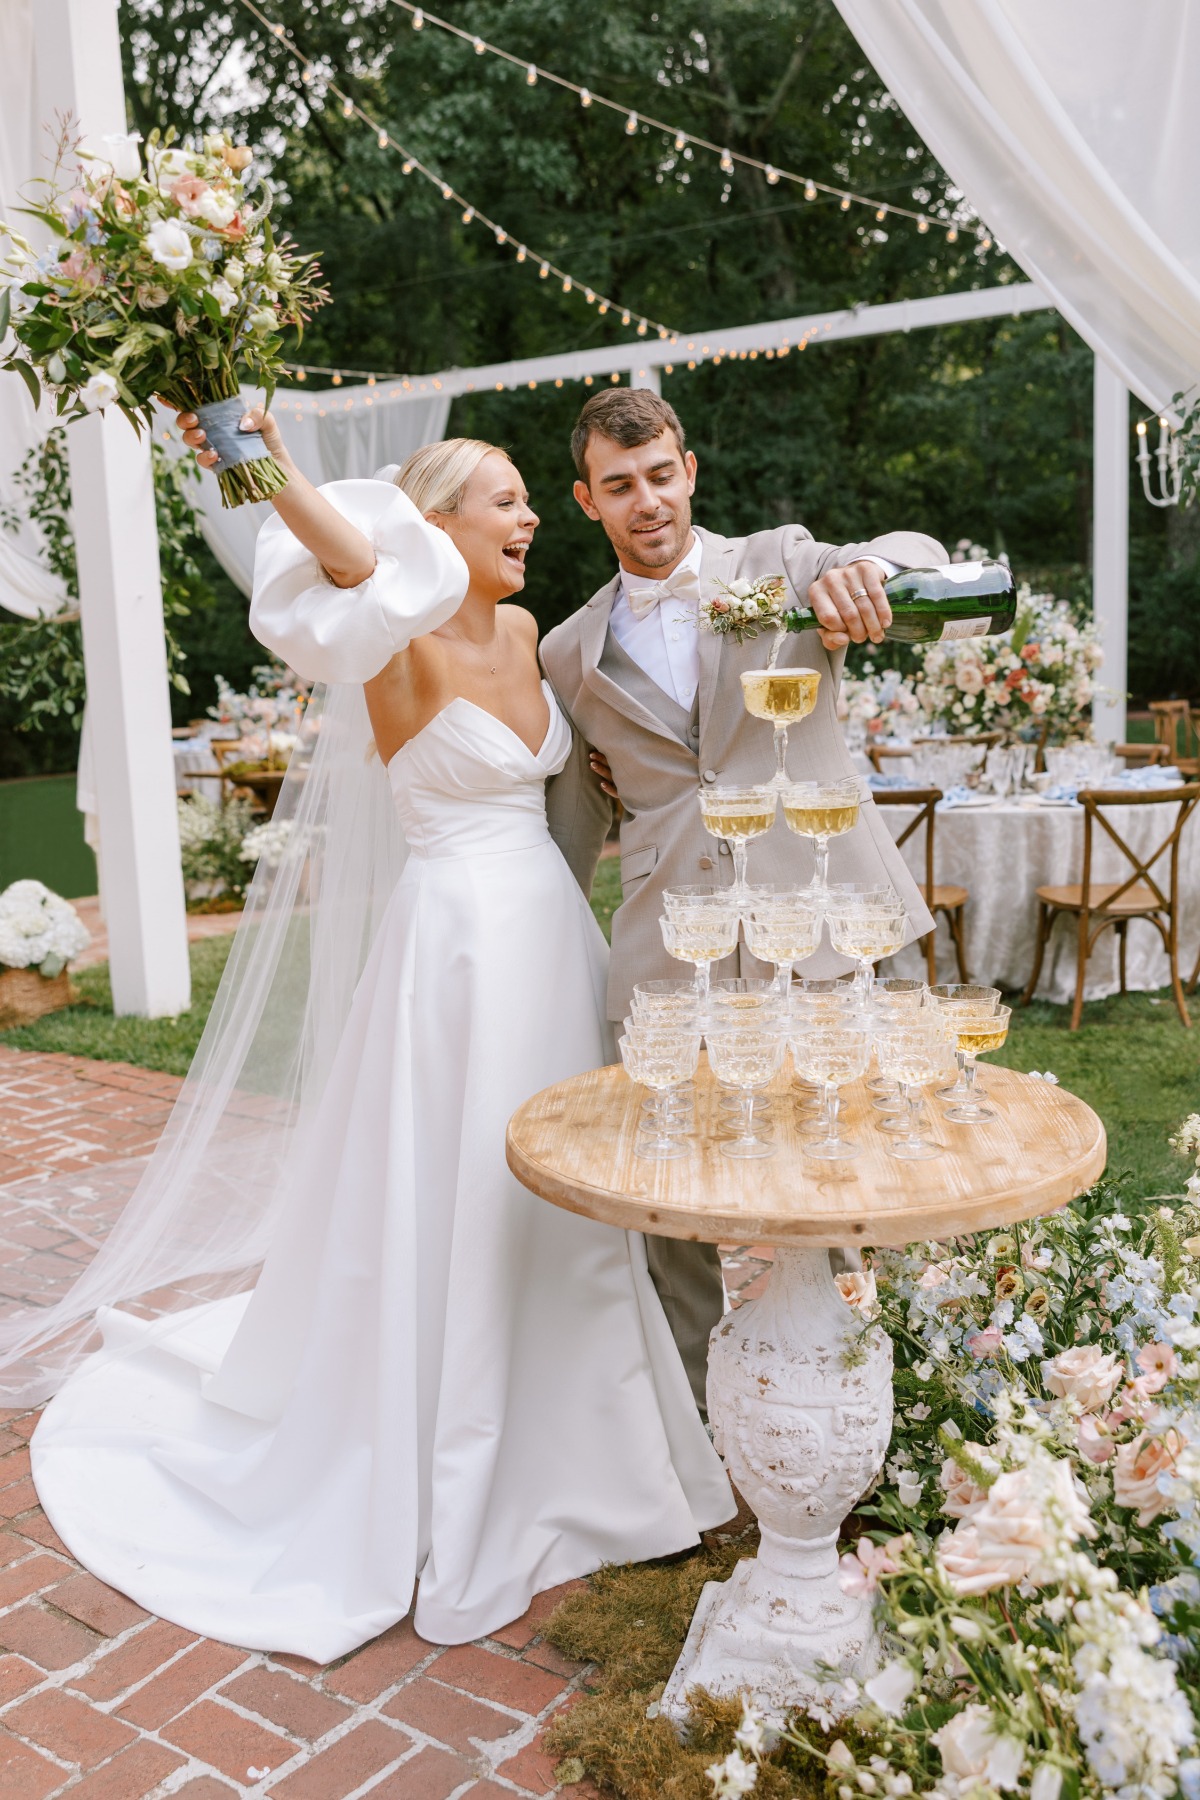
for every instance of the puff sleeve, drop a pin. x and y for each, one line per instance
(330, 633)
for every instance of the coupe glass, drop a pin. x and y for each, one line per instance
(737, 815)
(660, 1061)
(832, 1055)
(820, 813)
(665, 1003)
(700, 927)
(913, 1055)
(783, 930)
(782, 696)
(743, 1000)
(867, 930)
(746, 1057)
(894, 1000)
(951, 994)
(673, 1109)
(977, 1033)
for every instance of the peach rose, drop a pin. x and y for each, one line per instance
(969, 676)
(1138, 1467)
(1085, 1374)
(964, 1496)
(187, 191)
(1094, 1439)
(1006, 1538)
(857, 1288)
(985, 1344)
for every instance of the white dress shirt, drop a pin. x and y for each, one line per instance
(665, 642)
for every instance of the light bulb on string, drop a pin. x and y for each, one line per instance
(522, 253)
(810, 192)
(306, 75)
(922, 226)
(544, 271)
(383, 140)
(726, 161)
(641, 330)
(468, 215)
(631, 124)
(952, 235)
(370, 381)
(407, 166)
(480, 46)
(881, 213)
(625, 318)
(347, 108)
(337, 378)
(615, 376)
(531, 75)
(418, 19)
(680, 140)
(567, 284)
(447, 191)
(589, 295)
(845, 207)
(585, 99)
(771, 174)
(501, 235)
(301, 374)
(587, 380)
(603, 307)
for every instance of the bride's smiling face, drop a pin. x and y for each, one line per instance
(493, 528)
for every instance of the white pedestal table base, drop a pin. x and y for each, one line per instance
(803, 1437)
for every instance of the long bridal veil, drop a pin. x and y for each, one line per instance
(200, 1219)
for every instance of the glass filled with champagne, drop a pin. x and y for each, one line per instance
(821, 813)
(737, 815)
(950, 995)
(782, 696)
(978, 1030)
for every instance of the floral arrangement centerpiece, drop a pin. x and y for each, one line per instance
(1032, 1549)
(1037, 677)
(164, 280)
(878, 705)
(267, 717)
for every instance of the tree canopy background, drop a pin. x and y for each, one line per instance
(979, 431)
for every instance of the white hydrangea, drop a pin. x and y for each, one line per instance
(198, 821)
(267, 843)
(39, 929)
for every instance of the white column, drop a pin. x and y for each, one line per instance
(1110, 545)
(646, 377)
(78, 54)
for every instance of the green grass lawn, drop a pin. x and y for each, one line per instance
(1131, 1059)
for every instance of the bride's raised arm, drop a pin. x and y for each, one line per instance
(345, 575)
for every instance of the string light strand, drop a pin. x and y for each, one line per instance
(471, 214)
(727, 158)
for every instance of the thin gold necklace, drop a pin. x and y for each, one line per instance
(470, 646)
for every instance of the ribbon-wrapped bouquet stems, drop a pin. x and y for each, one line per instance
(160, 278)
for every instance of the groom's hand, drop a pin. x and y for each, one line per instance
(850, 605)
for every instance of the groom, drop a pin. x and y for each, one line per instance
(661, 702)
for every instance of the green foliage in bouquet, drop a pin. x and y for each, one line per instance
(164, 280)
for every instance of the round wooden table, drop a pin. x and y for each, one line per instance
(803, 1428)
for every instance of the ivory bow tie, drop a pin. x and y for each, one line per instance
(683, 585)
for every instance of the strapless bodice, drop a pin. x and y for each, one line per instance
(466, 784)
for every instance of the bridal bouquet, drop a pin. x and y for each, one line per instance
(1032, 1552)
(159, 280)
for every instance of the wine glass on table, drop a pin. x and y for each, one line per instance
(832, 1054)
(821, 812)
(914, 1055)
(976, 1034)
(661, 1061)
(866, 924)
(746, 1057)
(950, 995)
(781, 696)
(742, 1000)
(782, 928)
(738, 814)
(700, 926)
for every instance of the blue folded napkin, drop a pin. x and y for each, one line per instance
(955, 796)
(891, 781)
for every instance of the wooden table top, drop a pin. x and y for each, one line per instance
(574, 1145)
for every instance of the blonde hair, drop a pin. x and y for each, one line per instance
(436, 476)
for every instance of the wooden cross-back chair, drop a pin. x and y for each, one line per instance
(1177, 728)
(1142, 756)
(949, 899)
(1098, 904)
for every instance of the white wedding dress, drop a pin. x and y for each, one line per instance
(438, 1375)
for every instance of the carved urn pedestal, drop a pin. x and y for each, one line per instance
(801, 1407)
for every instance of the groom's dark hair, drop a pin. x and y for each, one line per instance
(629, 416)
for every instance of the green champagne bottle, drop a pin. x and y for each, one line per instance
(952, 600)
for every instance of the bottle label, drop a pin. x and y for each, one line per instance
(965, 628)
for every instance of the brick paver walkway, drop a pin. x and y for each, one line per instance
(100, 1701)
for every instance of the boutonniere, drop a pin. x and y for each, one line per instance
(744, 608)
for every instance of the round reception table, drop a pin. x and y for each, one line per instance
(802, 1426)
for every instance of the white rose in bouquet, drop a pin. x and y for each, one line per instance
(169, 244)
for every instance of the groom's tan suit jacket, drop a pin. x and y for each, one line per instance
(660, 756)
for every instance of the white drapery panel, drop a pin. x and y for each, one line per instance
(331, 448)
(1073, 129)
(26, 585)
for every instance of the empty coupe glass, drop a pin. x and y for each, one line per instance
(660, 1061)
(746, 1057)
(832, 1054)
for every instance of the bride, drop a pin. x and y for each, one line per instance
(436, 1375)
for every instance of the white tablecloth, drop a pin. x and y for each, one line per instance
(1004, 852)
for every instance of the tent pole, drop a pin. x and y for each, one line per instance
(1110, 546)
(78, 57)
